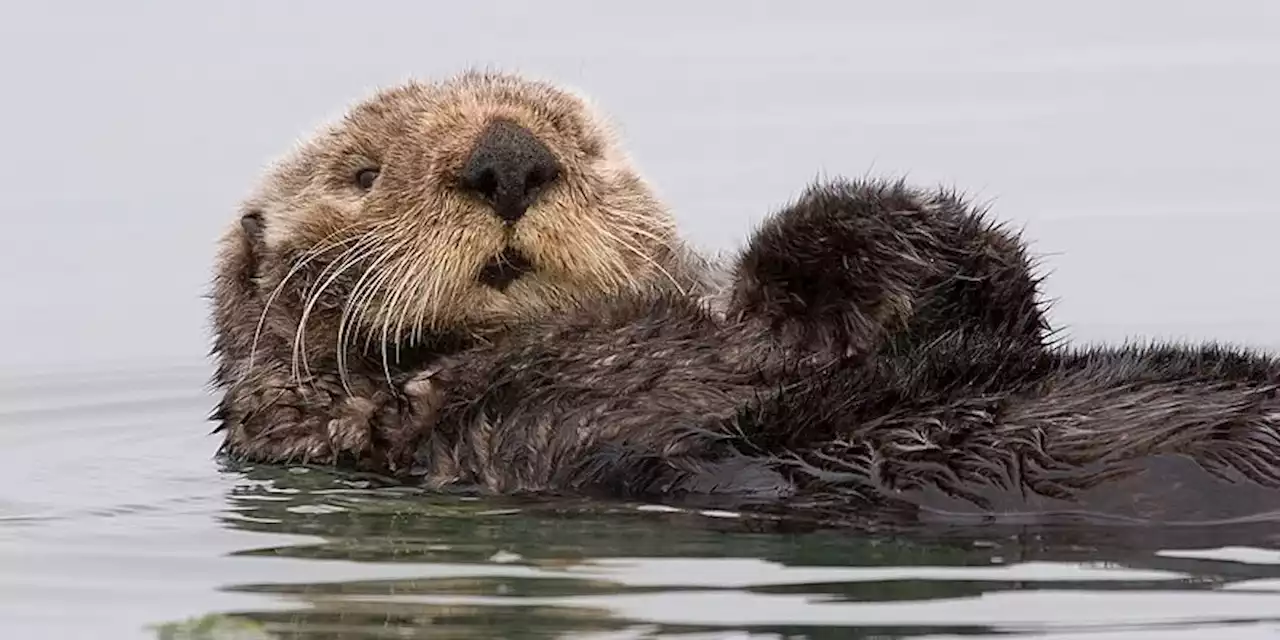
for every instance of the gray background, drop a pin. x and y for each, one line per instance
(1136, 141)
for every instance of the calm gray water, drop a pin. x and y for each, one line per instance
(1135, 142)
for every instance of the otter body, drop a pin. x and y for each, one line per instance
(956, 413)
(466, 284)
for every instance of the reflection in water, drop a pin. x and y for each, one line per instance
(458, 566)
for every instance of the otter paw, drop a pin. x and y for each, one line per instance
(294, 448)
(351, 432)
(425, 392)
(398, 427)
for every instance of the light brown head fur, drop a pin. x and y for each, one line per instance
(323, 271)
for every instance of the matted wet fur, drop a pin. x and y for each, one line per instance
(969, 423)
(975, 422)
(851, 264)
(370, 252)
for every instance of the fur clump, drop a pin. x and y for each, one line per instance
(538, 410)
(973, 417)
(851, 264)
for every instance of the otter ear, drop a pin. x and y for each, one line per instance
(235, 289)
(252, 225)
(242, 250)
(837, 269)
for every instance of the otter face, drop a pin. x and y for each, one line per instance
(458, 206)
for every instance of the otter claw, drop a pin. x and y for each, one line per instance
(422, 384)
(347, 437)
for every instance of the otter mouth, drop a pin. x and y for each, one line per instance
(505, 268)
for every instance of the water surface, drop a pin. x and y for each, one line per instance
(1135, 142)
(117, 524)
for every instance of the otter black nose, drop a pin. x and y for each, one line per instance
(509, 167)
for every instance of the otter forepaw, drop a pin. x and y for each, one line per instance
(425, 392)
(381, 433)
(398, 427)
(317, 425)
(351, 432)
(424, 383)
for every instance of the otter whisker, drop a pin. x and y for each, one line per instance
(313, 293)
(357, 297)
(366, 241)
(363, 304)
(428, 280)
(645, 256)
(647, 233)
(441, 274)
(389, 288)
(396, 312)
(617, 274)
(401, 275)
(425, 284)
(303, 260)
(413, 277)
(631, 248)
(377, 315)
(351, 257)
(296, 269)
(357, 301)
(431, 303)
(298, 357)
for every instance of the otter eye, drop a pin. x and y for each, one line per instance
(366, 177)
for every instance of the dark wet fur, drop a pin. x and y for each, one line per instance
(988, 422)
(853, 263)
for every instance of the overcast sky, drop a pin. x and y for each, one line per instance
(1137, 141)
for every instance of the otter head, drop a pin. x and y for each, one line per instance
(433, 209)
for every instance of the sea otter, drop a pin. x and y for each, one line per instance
(458, 218)
(468, 282)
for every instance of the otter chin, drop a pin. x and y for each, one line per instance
(504, 269)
